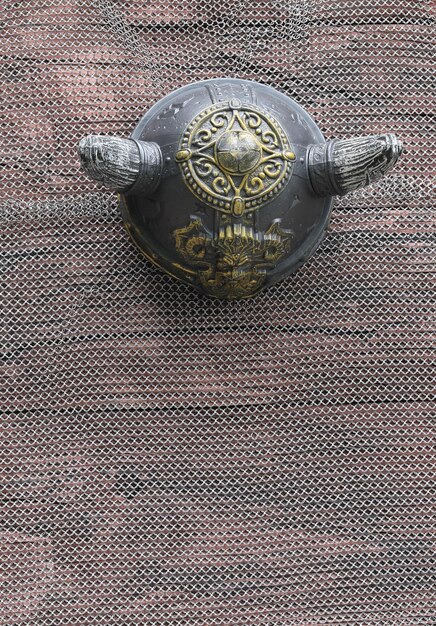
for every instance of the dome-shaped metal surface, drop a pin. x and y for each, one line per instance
(235, 211)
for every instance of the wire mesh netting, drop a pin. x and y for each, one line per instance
(173, 460)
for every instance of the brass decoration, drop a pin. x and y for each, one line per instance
(235, 157)
(233, 263)
(193, 241)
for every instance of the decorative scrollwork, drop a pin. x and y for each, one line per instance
(233, 263)
(235, 157)
(193, 241)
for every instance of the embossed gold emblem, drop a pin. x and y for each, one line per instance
(233, 263)
(235, 157)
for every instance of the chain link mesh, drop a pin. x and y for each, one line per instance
(171, 460)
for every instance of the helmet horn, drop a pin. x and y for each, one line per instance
(340, 166)
(124, 165)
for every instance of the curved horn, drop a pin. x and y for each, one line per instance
(340, 166)
(125, 165)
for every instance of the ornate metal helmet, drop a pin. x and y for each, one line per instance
(227, 184)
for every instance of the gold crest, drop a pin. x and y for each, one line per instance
(233, 263)
(235, 157)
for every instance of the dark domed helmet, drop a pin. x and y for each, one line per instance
(227, 184)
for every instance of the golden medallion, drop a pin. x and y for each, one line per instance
(235, 157)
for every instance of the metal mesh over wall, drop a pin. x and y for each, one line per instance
(171, 460)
